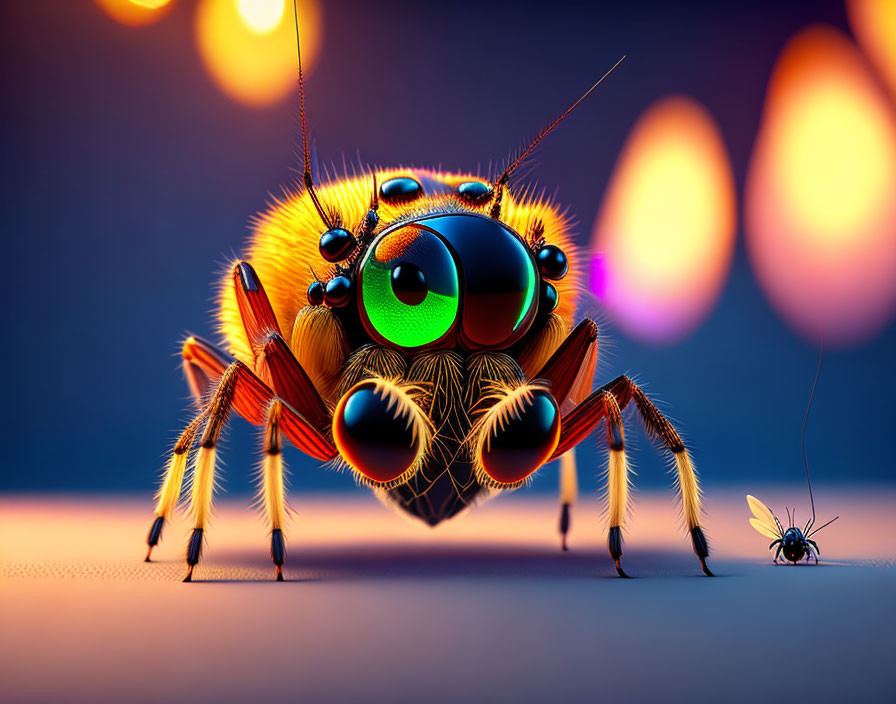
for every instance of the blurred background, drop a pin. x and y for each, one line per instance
(734, 184)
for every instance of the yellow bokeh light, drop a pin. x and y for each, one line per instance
(820, 202)
(874, 24)
(249, 46)
(665, 234)
(135, 13)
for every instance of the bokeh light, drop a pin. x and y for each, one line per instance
(820, 202)
(135, 13)
(663, 241)
(874, 24)
(249, 46)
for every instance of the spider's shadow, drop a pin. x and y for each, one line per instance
(390, 561)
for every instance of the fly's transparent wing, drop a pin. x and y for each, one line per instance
(764, 520)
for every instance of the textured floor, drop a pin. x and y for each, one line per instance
(485, 608)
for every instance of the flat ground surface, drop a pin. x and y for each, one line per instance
(486, 608)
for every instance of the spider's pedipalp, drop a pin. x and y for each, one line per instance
(564, 368)
(277, 366)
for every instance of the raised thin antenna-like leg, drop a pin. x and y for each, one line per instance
(307, 177)
(501, 181)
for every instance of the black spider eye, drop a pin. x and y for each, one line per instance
(336, 244)
(338, 291)
(552, 262)
(474, 192)
(316, 293)
(549, 298)
(409, 284)
(400, 190)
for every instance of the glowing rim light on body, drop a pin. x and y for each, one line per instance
(530, 292)
(820, 202)
(135, 13)
(664, 238)
(248, 47)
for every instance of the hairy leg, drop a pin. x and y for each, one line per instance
(272, 490)
(584, 417)
(204, 473)
(169, 491)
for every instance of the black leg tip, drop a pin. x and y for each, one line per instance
(620, 571)
(708, 572)
(698, 539)
(280, 575)
(278, 547)
(614, 542)
(565, 519)
(189, 577)
(194, 547)
(155, 534)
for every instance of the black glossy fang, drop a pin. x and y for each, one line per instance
(336, 244)
(400, 190)
(338, 291)
(370, 437)
(552, 262)
(316, 294)
(520, 446)
(475, 192)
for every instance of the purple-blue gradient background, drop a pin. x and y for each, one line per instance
(128, 179)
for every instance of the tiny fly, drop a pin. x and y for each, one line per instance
(796, 543)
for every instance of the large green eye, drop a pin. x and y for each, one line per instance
(409, 288)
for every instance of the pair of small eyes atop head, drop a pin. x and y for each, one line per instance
(408, 285)
(403, 189)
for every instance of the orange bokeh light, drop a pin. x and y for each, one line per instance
(135, 13)
(874, 24)
(665, 234)
(249, 46)
(820, 202)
